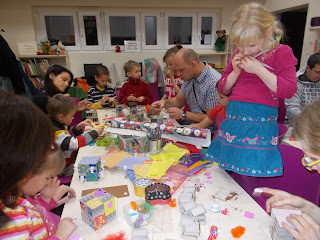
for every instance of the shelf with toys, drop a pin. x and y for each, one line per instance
(216, 59)
(35, 66)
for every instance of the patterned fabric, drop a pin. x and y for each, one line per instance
(171, 93)
(307, 93)
(26, 223)
(204, 87)
(247, 141)
(95, 94)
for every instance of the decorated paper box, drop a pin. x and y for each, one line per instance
(130, 144)
(98, 208)
(90, 169)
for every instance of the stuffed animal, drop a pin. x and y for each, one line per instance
(61, 49)
(220, 42)
(46, 48)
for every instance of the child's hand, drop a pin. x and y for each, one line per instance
(60, 192)
(140, 99)
(251, 65)
(111, 100)
(65, 228)
(170, 73)
(83, 105)
(50, 189)
(236, 63)
(131, 98)
(99, 129)
(104, 99)
(84, 123)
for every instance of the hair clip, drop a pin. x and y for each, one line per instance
(278, 38)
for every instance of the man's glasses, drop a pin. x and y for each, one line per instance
(308, 163)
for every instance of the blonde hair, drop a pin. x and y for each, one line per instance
(54, 161)
(251, 23)
(129, 65)
(306, 127)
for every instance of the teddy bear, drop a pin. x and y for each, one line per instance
(220, 42)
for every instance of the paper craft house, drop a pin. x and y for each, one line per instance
(92, 115)
(98, 208)
(90, 169)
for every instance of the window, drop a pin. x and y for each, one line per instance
(151, 30)
(90, 29)
(121, 26)
(207, 27)
(180, 29)
(60, 25)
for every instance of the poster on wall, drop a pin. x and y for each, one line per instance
(27, 48)
(132, 46)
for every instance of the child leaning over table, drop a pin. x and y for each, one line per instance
(216, 115)
(135, 90)
(101, 95)
(27, 169)
(60, 111)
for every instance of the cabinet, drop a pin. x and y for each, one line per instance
(35, 66)
(219, 59)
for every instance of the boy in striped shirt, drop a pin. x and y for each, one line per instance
(101, 95)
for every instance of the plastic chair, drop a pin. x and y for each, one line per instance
(283, 129)
(281, 111)
(117, 94)
(154, 91)
(296, 179)
(77, 118)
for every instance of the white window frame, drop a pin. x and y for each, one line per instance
(59, 12)
(109, 13)
(159, 30)
(214, 28)
(84, 45)
(194, 26)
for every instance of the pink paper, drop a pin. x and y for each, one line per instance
(249, 214)
(225, 212)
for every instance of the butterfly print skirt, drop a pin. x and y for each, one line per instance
(247, 141)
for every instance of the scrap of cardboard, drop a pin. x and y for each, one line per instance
(117, 191)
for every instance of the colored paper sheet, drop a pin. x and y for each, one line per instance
(113, 160)
(117, 191)
(130, 161)
(158, 169)
(141, 170)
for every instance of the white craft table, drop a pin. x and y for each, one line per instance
(256, 228)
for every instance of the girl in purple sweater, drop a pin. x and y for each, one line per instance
(259, 72)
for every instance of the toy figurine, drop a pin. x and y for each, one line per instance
(118, 49)
(220, 42)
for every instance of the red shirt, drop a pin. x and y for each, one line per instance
(171, 93)
(217, 114)
(138, 88)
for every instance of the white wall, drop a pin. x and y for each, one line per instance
(313, 11)
(19, 19)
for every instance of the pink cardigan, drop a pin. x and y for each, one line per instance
(250, 88)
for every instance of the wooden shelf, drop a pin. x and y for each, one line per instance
(42, 56)
(210, 53)
(314, 28)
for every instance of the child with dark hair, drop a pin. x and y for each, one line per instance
(26, 169)
(61, 110)
(135, 90)
(101, 95)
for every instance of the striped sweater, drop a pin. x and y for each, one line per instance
(95, 94)
(26, 223)
(70, 141)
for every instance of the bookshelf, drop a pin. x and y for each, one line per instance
(35, 66)
(316, 35)
(220, 59)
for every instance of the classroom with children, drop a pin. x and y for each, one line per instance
(149, 120)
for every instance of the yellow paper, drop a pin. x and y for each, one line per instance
(141, 170)
(170, 153)
(158, 169)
